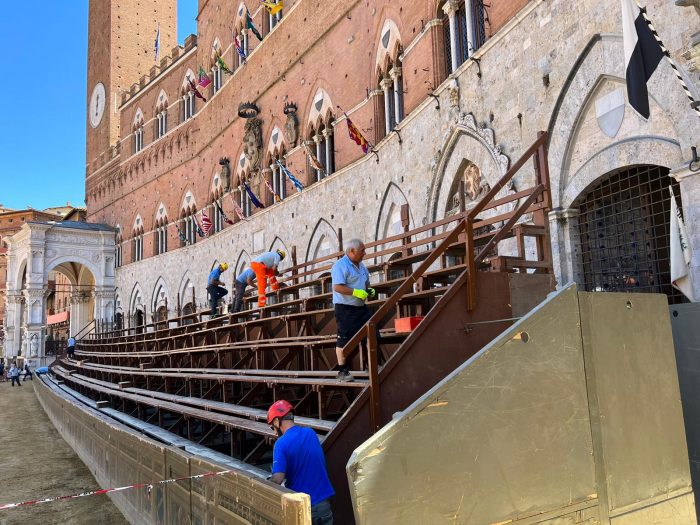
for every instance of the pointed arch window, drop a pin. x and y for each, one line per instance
(279, 179)
(162, 236)
(189, 227)
(188, 100)
(246, 204)
(118, 249)
(137, 245)
(464, 29)
(138, 132)
(161, 123)
(322, 144)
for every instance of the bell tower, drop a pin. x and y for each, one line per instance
(121, 48)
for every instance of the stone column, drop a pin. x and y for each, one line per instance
(244, 44)
(469, 16)
(79, 311)
(395, 74)
(13, 322)
(317, 141)
(327, 132)
(566, 252)
(450, 9)
(275, 180)
(33, 346)
(690, 197)
(385, 84)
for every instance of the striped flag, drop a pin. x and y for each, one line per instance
(357, 136)
(206, 223)
(272, 190)
(156, 46)
(222, 65)
(298, 185)
(239, 49)
(203, 78)
(250, 25)
(223, 215)
(315, 163)
(252, 196)
(642, 56)
(200, 232)
(182, 236)
(237, 208)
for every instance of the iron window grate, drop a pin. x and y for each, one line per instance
(624, 233)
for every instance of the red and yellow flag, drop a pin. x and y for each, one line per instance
(357, 136)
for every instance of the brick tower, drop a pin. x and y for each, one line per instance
(121, 38)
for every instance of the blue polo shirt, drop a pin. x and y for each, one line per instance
(245, 275)
(299, 455)
(215, 275)
(345, 272)
(269, 259)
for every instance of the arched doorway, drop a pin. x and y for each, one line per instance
(624, 232)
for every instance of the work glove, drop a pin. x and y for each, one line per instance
(372, 293)
(360, 294)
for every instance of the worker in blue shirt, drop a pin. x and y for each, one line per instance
(244, 279)
(215, 286)
(265, 267)
(351, 289)
(298, 458)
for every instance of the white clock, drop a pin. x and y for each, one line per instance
(97, 104)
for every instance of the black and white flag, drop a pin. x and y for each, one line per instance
(642, 55)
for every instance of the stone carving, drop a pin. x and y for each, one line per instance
(34, 346)
(252, 142)
(63, 238)
(487, 138)
(453, 91)
(474, 185)
(225, 164)
(291, 127)
(610, 112)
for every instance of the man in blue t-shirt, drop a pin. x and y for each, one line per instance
(215, 287)
(351, 289)
(246, 278)
(298, 458)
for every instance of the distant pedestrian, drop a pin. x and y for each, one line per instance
(71, 347)
(14, 374)
(27, 372)
(265, 267)
(2, 369)
(246, 278)
(215, 287)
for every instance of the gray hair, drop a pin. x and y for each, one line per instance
(353, 244)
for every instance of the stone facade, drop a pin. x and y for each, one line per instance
(555, 66)
(83, 253)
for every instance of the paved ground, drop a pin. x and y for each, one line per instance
(35, 463)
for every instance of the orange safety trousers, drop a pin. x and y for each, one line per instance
(262, 274)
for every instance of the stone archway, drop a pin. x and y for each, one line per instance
(81, 251)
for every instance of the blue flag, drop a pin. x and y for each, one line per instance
(252, 196)
(298, 185)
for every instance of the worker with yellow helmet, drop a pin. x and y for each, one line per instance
(215, 286)
(265, 267)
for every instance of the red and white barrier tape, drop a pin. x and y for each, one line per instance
(117, 489)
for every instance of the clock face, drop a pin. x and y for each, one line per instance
(97, 105)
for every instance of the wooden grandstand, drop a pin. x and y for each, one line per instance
(210, 380)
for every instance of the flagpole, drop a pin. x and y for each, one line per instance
(693, 103)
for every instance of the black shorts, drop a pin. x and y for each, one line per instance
(349, 320)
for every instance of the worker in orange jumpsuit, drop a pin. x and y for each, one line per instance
(265, 267)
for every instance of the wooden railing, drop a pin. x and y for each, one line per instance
(535, 200)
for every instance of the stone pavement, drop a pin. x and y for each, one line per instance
(35, 462)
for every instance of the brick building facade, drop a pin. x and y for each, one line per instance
(402, 72)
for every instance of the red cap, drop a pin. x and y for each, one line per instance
(278, 409)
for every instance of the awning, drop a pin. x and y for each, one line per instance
(58, 318)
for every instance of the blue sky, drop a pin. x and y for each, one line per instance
(42, 128)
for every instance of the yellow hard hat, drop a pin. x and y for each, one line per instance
(281, 254)
(223, 266)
